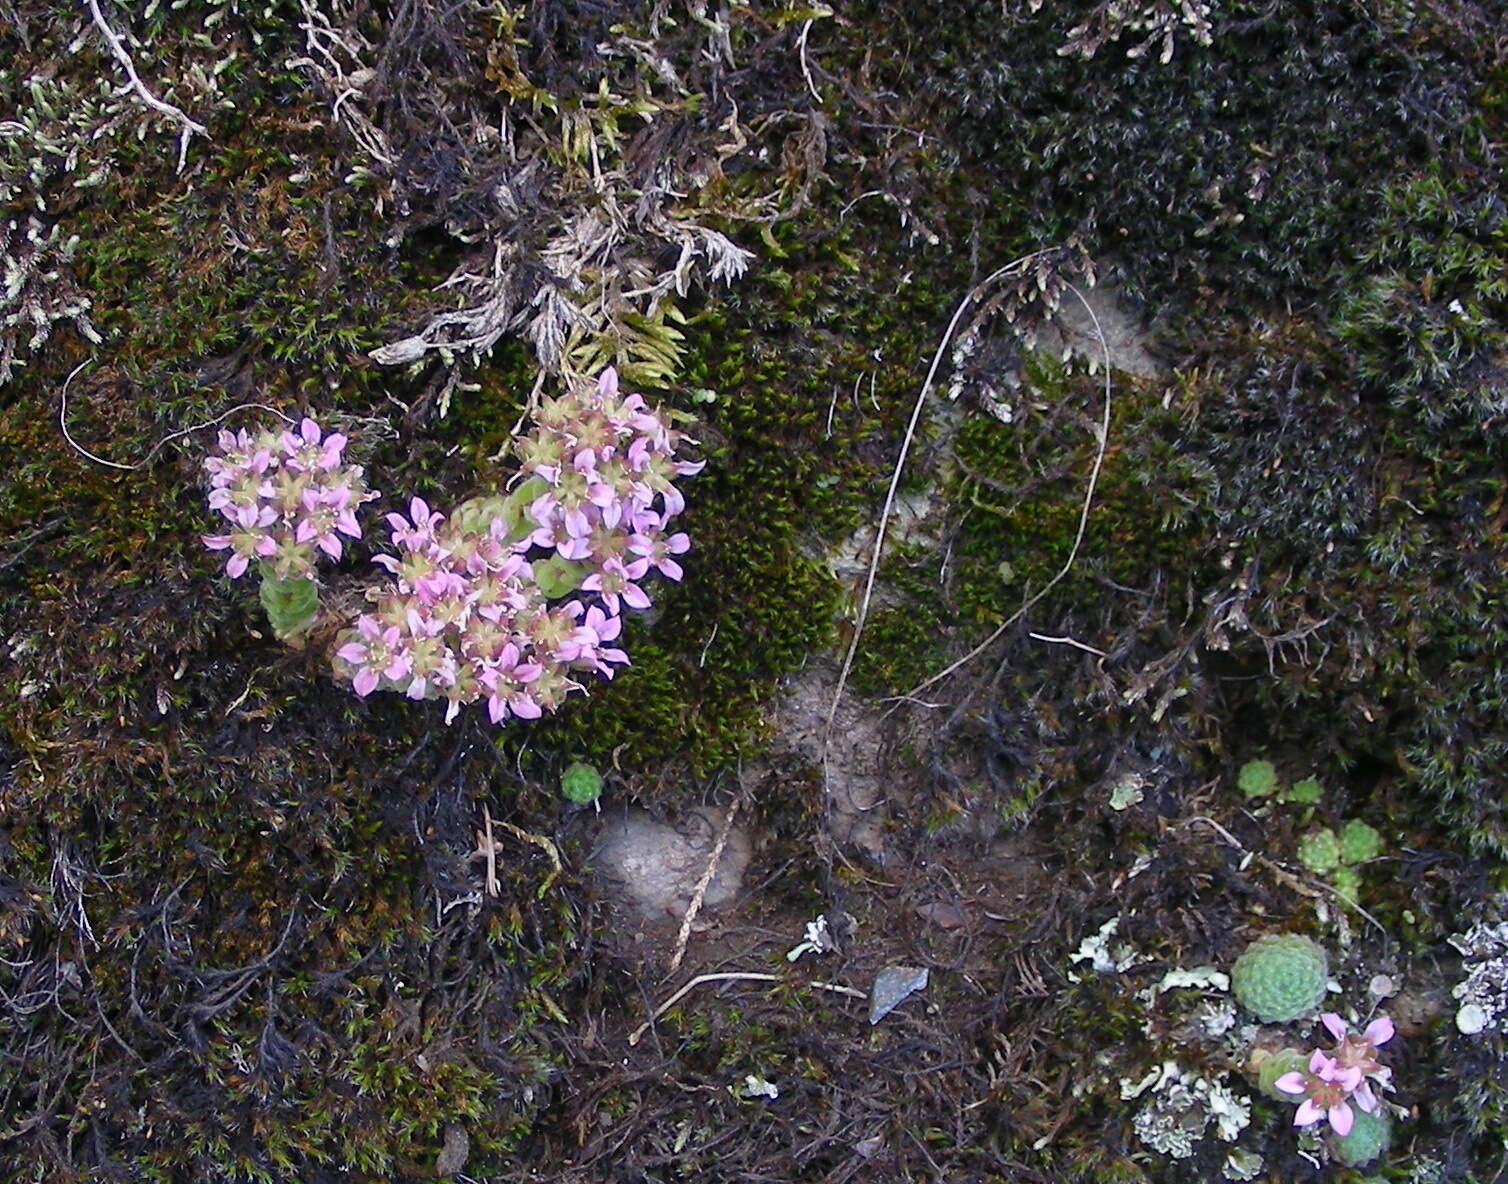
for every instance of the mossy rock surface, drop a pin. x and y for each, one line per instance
(259, 907)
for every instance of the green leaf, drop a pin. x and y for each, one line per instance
(290, 604)
(515, 509)
(559, 577)
(1257, 778)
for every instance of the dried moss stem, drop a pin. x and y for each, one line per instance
(163, 442)
(743, 976)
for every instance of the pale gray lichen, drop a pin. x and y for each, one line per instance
(1483, 993)
(1097, 949)
(36, 289)
(586, 242)
(1426, 1170)
(1241, 1165)
(1144, 23)
(1181, 1104)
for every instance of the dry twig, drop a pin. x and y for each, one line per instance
(700, 894)
(1078, 538)
(975, 294)
(118, 48)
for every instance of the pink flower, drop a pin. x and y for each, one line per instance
(291, 490)
(1327, 1089)
(506, 679)
(658, 549)
(1359, 1051)
(614, 580)
(417, 531)
(376, 653)
(466, 613)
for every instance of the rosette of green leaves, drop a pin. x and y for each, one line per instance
(291, 605)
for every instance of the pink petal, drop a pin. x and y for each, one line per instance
(1341, 1118)
(353, 652)
(1308, 1113)
(1379, 1031)
(1336, 1026)
(365, 681)
(235, 568)
(215, 542)
(607, 383)
(1291, 1083)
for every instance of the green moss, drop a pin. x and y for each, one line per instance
(1280, 977)
(1020, 491)
(899, 649)
(1359, 842)
(1177, 167)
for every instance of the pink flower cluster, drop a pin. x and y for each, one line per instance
(286, 494)
(1341, 1077)
(512, 599)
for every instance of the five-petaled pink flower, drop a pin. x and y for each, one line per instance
(1327, 1090)
(1342, 1077)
